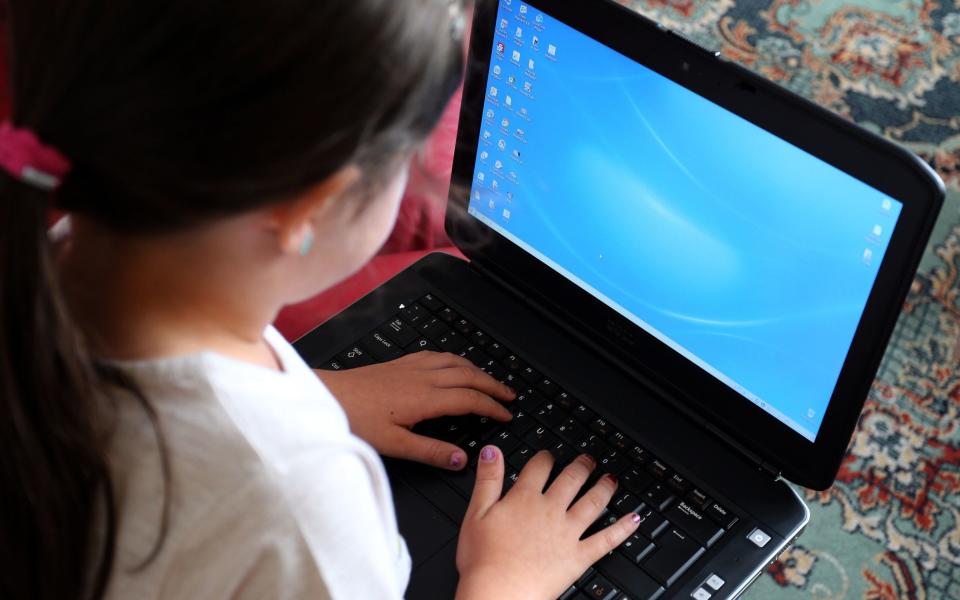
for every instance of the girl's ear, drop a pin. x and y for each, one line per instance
(294, 222)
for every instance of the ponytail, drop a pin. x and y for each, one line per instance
(54, 477)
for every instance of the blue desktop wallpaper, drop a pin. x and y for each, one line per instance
(749, 256)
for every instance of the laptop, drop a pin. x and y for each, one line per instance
(686, 271)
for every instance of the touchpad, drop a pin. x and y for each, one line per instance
(424, 528)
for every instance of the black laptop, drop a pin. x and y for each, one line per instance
(687, 272)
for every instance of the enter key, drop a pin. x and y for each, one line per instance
(695, 522)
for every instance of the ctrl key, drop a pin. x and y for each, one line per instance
(675, 552)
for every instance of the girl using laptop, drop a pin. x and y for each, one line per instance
(159, 438)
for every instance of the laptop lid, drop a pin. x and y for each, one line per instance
(729, 241)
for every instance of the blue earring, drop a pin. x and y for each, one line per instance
(307, 243)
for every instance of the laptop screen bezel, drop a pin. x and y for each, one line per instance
(869, 158)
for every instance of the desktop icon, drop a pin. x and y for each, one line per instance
(516, 56)
(527, 87)
(551, 50)
(523, 111)
(511, 80)
(530, 64)
(497, 70)
(886, 205)
(867, 256)
(493, 92)
(509, 196)
(877, 230)
(506, 214)
(539, 18)
(508, 101)
(520, 133)
(484, 155)
(491, 204)
(501, 48)
(535, 42)
(519, 33)
(505, 123)
(810, 413)
(494, 184)
(476, 195)
(516, 154)
(502, 144)
(498, 165)
(486, 135)
(503, 23)
(523, 9)
(481, 176)
(490, 113)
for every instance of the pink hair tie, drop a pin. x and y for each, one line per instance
(26, 158)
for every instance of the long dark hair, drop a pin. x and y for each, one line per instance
(173, 113)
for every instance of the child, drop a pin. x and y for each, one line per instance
(160, 440)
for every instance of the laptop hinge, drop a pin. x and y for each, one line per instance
(546, 311)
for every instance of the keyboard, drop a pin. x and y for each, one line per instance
(679, 523)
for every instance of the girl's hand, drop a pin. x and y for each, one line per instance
(384, 401)
(527, 546)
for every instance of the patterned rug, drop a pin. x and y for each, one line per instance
(890, 526)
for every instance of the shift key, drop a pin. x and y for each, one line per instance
(694, 522)
(675, 552)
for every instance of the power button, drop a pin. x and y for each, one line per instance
(759, 537)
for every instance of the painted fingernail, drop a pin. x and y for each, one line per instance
(488, 454)
(635, 518)
(590, 459)
(613, 478)
(457, 459)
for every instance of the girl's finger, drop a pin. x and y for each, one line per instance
(604, 541)
(568, 483)
(455, 402)
(437, 360)
(404, 444)
(489, 483)
(587, 509)
(535, 473)
(469, 376)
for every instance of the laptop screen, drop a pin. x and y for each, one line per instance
(748, 256)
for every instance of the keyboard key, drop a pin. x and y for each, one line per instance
(463, 327)
(635, 480)
(480, 338)
(601, 427)
(674, 554)
(625, 503)
(658, 496)
(637, 584)
(513, 380)
(563, 454)
(548, 388)
(496, 350)
(565, 400)
(620, 441)
(694, 522)
(572, 431)
(493, 369)
(332, 365)
(506, 441)
(529, 400)
(614, 462)
(397, 330)
(550, 414)
(512, 362)
(569, 594)
(520, 456)
(594, 446)
(722, 516)
(639, 454)
(698, 499)
(540, 438)
(421, 345)
(486, 426)
(678, 483)
(651, 524)
(583, 413)
(636, 548)
(600, 588)
(451, 341)
(522, 422)
(530, 374)
(414, 314)
(510, 479)
(474, 354)
(354, 357)
(462, 480)
(658, 469)
(606, 519)
(454, 430)
(431, 303)
(433, 328)
(448, 315)
(381, 347)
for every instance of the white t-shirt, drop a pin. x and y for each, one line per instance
(272, 496)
